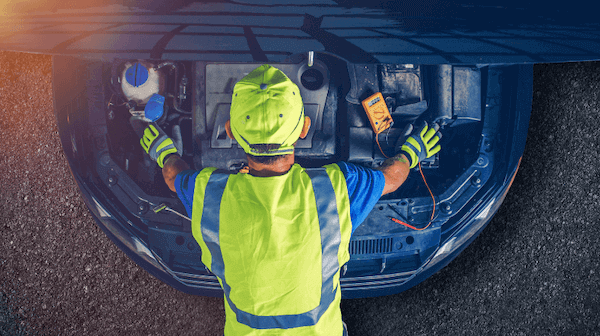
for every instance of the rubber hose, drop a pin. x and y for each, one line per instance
(174, 67)
(176, 105)
(177, 139)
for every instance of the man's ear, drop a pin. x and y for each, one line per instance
(228, 130)
(305, 128)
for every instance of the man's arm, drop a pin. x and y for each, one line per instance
(173, 166)
(422, 144)
(395, 170)
(161, 149)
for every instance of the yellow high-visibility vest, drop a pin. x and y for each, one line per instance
(276, 244)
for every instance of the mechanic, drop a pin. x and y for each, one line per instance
(276, 236)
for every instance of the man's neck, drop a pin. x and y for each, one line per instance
(278, 168)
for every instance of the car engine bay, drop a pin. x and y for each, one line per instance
(190, 101)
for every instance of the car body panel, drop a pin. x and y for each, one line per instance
(415, 32)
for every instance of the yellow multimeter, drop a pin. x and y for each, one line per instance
(377, 112)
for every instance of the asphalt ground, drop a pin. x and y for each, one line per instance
(533, 271)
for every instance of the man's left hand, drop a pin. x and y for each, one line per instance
(157, 144)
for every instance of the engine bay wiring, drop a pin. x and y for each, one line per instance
(389, 125)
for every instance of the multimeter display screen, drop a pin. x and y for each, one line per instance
(373, 101)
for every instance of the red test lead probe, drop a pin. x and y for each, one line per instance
(381, 119)
(395, 220)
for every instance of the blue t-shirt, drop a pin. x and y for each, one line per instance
(364, 189)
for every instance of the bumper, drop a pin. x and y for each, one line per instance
(472, 226)
(356, 287)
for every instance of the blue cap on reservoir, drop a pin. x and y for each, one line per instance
(136, 75)
(155, 107)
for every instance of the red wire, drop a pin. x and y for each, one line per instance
(377, 137)
(424, 180)
(432, 213)
(377, 140)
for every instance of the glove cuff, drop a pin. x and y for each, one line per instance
(164, 153)
(160, 148)
(412, 158)
(167, 157)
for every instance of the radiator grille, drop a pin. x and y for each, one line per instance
(371, 246)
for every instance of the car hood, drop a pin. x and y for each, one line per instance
(423, 32)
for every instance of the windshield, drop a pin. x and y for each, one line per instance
(418, 32)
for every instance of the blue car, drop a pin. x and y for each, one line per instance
(119, 64)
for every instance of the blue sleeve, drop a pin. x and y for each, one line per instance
(185, 182)
(365, 187)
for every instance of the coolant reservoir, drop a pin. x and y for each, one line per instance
(139, 81)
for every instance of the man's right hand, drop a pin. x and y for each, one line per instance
(421, 144)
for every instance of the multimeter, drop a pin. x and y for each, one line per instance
(377, 112)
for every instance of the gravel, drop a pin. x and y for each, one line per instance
(533, 270)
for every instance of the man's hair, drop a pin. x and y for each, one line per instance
(266, 159)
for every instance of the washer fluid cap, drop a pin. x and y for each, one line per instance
(136, 75)
(155, 107)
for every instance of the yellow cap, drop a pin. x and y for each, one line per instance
(266, 108)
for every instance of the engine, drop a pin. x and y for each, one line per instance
(190, 101)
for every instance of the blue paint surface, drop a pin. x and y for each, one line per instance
(136, 75)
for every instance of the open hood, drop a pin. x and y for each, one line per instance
(373, 31)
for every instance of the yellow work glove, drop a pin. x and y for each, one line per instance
(157, 144)
(422, 143)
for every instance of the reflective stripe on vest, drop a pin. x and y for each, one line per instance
(330, 240)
